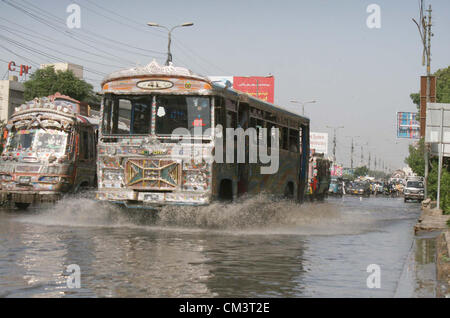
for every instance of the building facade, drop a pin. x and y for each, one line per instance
(76, 69)
(11, 96)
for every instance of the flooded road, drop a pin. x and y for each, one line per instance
(253, 248)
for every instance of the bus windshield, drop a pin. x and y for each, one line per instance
(38, 140)
(188, 112)
(132, 114)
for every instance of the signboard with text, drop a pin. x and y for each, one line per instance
(257, 86)
(407, 125)
(319, 142)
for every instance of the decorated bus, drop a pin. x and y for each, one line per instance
(170, 136)
(49, 150)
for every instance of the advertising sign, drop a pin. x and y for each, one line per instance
(257, 86)
(407, 125)
(319, 142)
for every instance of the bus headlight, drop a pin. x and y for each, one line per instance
(195, 180)
(6, 177)
(49, 179)
(112, 175)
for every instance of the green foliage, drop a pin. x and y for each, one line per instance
(442, 87)
(361, 171)
(45, 82)
(416, 153)
(416, 99)
(445, 185)
(416, 159)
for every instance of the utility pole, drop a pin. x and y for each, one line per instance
(352, 149)
(425, 35)
(362, 156)
(369, 161)
(428, 36)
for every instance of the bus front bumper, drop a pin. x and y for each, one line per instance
(30, 196)
(132, 199)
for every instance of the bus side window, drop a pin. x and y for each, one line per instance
(284, 138)
(91, 145)
(300, 140)
(231, 119)
(293, 140)
(218, 111)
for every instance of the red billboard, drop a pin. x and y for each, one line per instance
(257, 86)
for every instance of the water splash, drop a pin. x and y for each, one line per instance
(254, 215)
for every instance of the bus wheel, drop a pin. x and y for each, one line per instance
(226, 190)
(21, 205)
(289, 191)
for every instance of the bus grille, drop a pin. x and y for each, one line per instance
(152, 174)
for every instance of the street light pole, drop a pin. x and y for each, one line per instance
(303, 104)
(169, 54)
(334, 140)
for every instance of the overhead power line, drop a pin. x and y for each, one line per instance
(82, 38)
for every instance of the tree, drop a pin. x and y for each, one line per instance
(442, 88)
(47, 81)
(416, 160)
(416, 153)
(361, 171)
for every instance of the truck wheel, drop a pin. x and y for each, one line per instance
(21, 205)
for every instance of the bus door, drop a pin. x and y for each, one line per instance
(304, 161)
(86, 161)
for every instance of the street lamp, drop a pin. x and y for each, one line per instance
(303, 104)
(169, 54)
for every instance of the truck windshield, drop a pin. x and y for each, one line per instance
(21, 140)
(51, 141)
(414, 184)
(38, 140)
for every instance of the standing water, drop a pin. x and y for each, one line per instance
(252, 248)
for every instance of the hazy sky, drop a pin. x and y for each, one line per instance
(320, 50)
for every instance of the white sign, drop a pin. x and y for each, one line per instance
(438, 120)
(154, 84)
(318, 142)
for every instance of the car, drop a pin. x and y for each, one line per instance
(414, 190)
(336, 186)
(361, 188)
